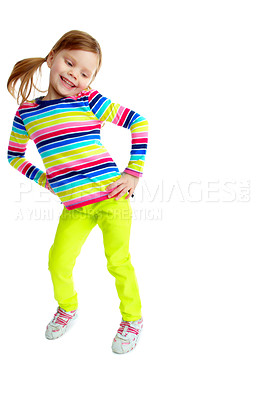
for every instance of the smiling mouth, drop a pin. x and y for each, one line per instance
(67, 82)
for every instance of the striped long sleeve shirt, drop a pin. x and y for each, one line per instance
(66, 132)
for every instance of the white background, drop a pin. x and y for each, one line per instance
(196, 71)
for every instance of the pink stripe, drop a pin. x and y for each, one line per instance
(89, 197)
(118, 114)
(77, 162)
(124, 116)
(65, 125)
(142, 140)
(92, 94)
(80, 167)
(23, 168)
(15, 146)
(81, 203)
(29, 105)
(132, 172)
(139, 134)
(62, 132)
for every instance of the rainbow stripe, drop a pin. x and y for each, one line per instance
(67, 134)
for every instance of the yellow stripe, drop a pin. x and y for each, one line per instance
(72, 155)
(74, 193)
(59, 119)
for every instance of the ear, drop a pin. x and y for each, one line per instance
(50, 58)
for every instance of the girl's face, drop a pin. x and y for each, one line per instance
(71, 72)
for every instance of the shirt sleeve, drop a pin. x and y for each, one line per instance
(105, 110)
(16, 153)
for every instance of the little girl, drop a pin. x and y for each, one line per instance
(65, 126)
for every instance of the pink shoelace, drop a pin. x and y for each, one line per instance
(62, 317)
(125, 328)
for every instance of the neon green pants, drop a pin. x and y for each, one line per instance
(114, 218)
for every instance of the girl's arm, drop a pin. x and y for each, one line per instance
(16, 153)
(105, 110)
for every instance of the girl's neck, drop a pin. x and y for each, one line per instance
(49, 97)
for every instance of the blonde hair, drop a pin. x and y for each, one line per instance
(26, 69)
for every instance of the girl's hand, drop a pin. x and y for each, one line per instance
(124, 184)
(49, 187)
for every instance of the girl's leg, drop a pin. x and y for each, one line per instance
(72, 231)
(114, 219)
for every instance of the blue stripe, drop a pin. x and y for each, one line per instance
(89, 142)
(51, 111)
(34, 173)
(30, 170)
(138, 152)
(136, 119)
(69, 142)
(95, 100)
(19, 127)
(15, 154)
(89, 134)
(111, 166)
(62, 149)
(128, 119)
(87, 179)
(136, 158)
(139, 146)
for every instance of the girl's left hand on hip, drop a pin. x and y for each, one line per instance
(127, 183)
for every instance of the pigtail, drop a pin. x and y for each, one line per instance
(24, 71)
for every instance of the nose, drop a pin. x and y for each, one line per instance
(72, 72)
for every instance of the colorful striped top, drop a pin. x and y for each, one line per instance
(66, 132)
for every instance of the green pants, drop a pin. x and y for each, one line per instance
(114, 218)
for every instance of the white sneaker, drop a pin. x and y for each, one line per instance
(60, 323)
(127, 336)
